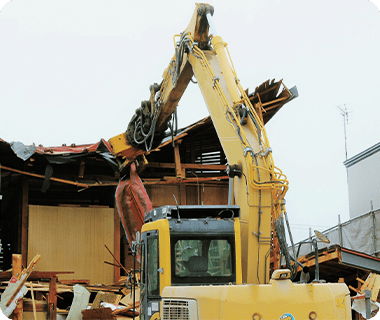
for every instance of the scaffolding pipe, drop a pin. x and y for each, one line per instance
(367, 297)
(310, 239)
(373, 230)
(230, 190)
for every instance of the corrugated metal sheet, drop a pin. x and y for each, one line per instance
(62, 150)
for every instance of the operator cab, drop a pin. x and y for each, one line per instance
(202, 243)
(188, 246)
(204, 255)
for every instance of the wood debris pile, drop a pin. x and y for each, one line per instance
(78, 299)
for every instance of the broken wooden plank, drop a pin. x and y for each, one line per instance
(16, 272)
(52, 299)
(75, 281)
(98, 313)
(186, 180)
(43, 177)
(193, 166)
(16, 289)
(128, 298)
(38, 305)
(105, 297)
(33, 302)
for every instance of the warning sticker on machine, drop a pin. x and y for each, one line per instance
(287, 316)
(340, 303)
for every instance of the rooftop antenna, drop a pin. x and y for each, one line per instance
(344, 113)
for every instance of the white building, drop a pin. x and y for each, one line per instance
(363, 172)
(362, 232)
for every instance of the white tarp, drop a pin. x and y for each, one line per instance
(359, 306)
(360, 234)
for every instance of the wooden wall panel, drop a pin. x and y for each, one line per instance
(162, 195)
(73, 239)
(194, 194)
(215, 195)
(207, 194)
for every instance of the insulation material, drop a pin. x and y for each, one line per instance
(80, 302)
(360, 234)
(12, 287)
(359, 306)
(132, 204)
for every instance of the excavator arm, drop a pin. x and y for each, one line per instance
(259, 187)
(150, 121)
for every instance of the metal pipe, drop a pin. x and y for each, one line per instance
(230, 190)
(290, 234)
(373, 230)
(315, 244)
(368, 312)
(310, 239)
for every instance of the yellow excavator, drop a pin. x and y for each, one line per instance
(212, 262)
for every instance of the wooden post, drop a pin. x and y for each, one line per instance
(116, 243)
(16, 271)
(177, 161)
(52, 301)
(24, 221)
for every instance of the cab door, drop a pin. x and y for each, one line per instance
(150, 280)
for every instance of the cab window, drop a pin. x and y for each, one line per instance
(152, 268)
(203, 261)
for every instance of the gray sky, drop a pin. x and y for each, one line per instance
(75, 71)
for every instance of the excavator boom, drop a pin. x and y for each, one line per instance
(196, 258)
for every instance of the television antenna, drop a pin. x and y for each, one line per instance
(344, 113)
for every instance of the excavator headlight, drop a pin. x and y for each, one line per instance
(312, 315)
(281, 274)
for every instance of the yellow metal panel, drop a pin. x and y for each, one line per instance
(164, 247)
(122, 148)
(254, 271)
(272, 301)
(239, 279)
(119, 143)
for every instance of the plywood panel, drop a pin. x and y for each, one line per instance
(215, 195)
(73, 239)
(207, 195)
(162, 195)
(194, 195)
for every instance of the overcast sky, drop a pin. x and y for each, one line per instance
(75, 71)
